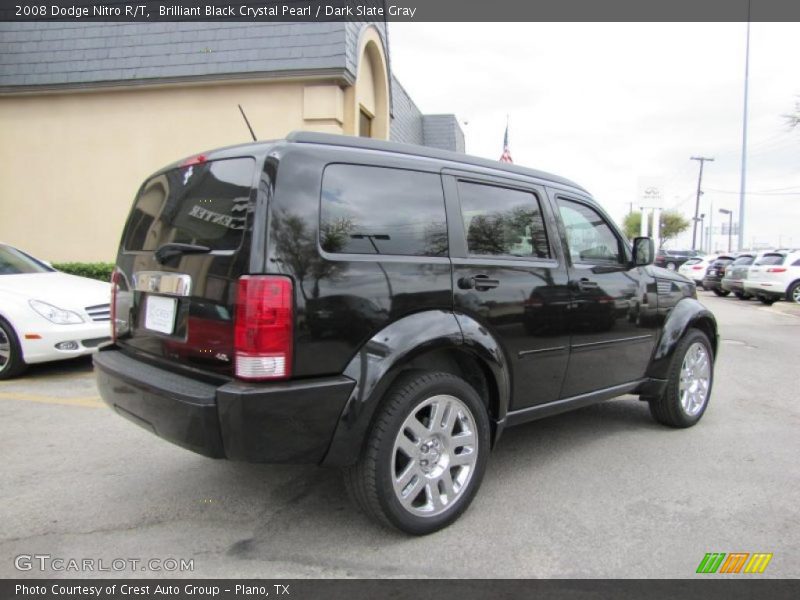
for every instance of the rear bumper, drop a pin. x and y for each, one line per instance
(732, 285)
(765, 288)
(287, 422)
(712, 283)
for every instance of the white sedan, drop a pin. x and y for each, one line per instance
(695, 268)
(47, 315)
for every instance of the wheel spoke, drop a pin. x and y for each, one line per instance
(447, 482)
(465, 458)
(436, 416)
(416, 427)
(412, 492)
(466, 439)
(408, 447)
(406, 476)
(451, 412)
(435, 497)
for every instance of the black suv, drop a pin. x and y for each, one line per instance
(712, 280)
(387, 309)
(672, 259)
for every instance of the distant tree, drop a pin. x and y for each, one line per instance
(632, 224)
(673, 223)
(794, 118)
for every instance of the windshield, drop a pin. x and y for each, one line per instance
(14, 262)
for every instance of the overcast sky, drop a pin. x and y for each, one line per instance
(607, 104)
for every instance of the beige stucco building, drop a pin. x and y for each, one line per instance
(88, 110)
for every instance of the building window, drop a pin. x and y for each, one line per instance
(364, 123)
(377, 210)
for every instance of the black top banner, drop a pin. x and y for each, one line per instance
(400, 10)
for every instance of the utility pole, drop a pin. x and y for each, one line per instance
(702, 160)
(743, 181)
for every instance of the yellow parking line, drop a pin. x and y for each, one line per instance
(85, 401)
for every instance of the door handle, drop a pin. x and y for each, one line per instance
(480, 283)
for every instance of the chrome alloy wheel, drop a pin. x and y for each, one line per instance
(796, 294)
(434, 455)
(5, 349)
(695, 379)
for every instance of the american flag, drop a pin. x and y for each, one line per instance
(506, 156)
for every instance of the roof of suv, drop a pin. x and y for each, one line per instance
(327, 139)
(346, 141)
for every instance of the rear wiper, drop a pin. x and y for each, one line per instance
(174, 249)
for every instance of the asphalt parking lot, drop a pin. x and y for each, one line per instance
(601, 492)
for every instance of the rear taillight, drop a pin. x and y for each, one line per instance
(115, 277)
(776, 270)
(697, 268)
(264, 327)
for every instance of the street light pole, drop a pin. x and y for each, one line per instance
(743, 182)
(702, 160)
(725, 211)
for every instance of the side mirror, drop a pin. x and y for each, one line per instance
(644, 251)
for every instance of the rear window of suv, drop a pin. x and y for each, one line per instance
(771, 259)
(381, 210)
(205, 204)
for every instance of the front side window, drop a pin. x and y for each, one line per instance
(379, 210)
(502, 221)
(589, 236)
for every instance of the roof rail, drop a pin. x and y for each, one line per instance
(348, 141)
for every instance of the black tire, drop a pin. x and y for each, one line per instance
(720, 292)
(793, 293)
(768, 300)
(668, 409)
(370, 482)
(14, 364)
(741, 295)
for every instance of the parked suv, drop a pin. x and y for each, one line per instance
(388, 309)
(672, 259)
(735, 275)
(712, 280)
(775, 276)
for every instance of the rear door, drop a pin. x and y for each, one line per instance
(184, 246)
(509, 275)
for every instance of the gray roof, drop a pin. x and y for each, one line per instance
(406, 117)
(442, 131)
(41, 55)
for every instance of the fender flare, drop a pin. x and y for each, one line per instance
(687, 313)
(375, 364)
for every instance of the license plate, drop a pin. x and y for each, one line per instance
(159, 314)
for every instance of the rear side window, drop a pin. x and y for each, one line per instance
(771, 259)
(379, 210)
(501, 221)
(743, 260)
(204, 204)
